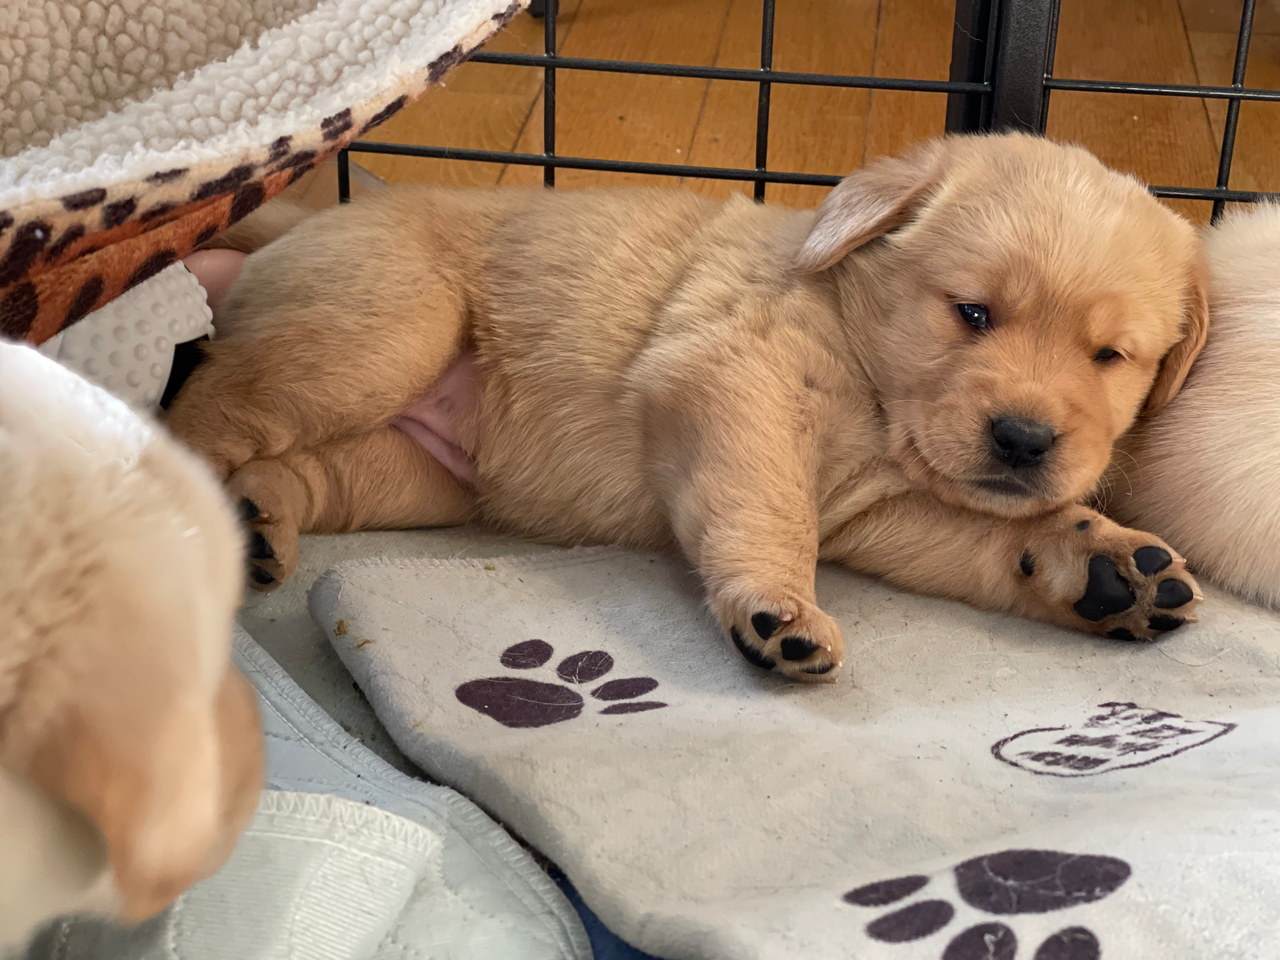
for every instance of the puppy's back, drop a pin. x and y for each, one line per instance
(1205, 473)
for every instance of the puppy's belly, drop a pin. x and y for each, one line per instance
(433, 421)
(565, 478)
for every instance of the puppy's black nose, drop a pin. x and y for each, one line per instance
(1020, 442)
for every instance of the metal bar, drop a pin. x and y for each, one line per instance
(344, 177)
(734, 73)
(1213, 193)
(720, 173)
(549, 91)
(762, 106)
(969, 46)
(586, 163)
(1233, 107)
(1022, 60)
(1048, 65)
(1163, 89)
(993, 31)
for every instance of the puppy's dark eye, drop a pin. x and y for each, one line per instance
(975, 315)
(1105, 355)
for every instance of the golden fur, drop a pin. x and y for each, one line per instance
(121, 568)
(759, 388)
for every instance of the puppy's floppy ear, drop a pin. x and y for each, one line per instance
(168, 789)
(1195, 330)
(867, 204)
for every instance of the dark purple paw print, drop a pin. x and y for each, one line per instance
(1004, 884)
(521, 702)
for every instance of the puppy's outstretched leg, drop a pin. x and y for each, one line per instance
(1073, 567)
(382, 479)
(729, 451)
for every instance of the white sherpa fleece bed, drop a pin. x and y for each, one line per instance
(93, 92)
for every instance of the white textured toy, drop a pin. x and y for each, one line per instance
(127, 347)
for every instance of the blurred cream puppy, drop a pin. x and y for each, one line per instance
(130, 752)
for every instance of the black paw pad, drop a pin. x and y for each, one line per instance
(586, 667)
(765, 624)
(796, 648)
(517, 702)
(260, 576)
(1173, 593)
(819, 669)
(884, 892)
(911, 923)
(1151, 560)
(1037, 881)
(1163, 621)
(986, 941)
(1027, 564)
(1120, 633)
(259, 549)
(1073, 943)
(248, 510)
(749, 653)
(1107, 592)
(528, 655)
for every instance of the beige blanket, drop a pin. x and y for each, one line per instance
(974, 788)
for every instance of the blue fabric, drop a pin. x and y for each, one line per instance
(605, 944)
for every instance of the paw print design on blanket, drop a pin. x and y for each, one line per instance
(1123, 735)
(523, 702)
(1005, 884)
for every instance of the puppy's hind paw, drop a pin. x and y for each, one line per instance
(272, 536)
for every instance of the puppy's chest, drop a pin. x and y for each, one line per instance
(853, 471)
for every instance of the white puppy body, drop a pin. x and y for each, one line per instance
(120, 573)
(1205, 472)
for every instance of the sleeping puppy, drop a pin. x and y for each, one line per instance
(130, 751)
(1207, 470)
(922, 381)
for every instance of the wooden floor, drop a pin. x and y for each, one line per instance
(826, 130)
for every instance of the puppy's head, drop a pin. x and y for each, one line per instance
(1017, 305)
(120, 574)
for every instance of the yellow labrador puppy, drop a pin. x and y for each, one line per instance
(922, 381)
(130, 751)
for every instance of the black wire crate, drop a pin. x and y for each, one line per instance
(1001, 78)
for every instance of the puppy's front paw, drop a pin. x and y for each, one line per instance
(272, 534)
(791, 636)
(1106, 579)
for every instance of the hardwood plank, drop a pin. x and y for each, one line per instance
(827, 130)
(1253, 164)
(915, 41)
(811, 129)
(1223, 16)
(621, 117)
(318, 188)
(1161, 140)
(480, 106)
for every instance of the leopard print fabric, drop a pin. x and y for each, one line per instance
(63, 257)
